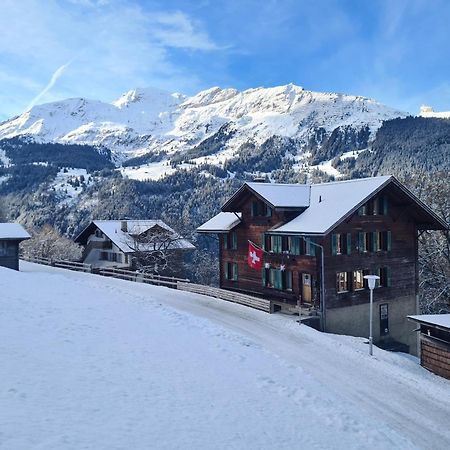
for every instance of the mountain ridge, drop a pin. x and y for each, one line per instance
(149, 121)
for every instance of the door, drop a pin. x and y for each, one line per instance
(306, 287)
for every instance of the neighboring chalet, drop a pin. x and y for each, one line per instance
(11, 235)
(346, 230)
(121, 243)
(434, 342)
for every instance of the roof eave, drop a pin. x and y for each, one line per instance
(425, 322)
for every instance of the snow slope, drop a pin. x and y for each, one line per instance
(97, 363)
(147, 120)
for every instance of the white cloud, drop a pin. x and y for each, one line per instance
(57, 74)
(118, 45)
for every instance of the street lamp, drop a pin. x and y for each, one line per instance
(371, 279)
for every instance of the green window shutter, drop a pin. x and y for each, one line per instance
(388, 240)
(295, 243)
(388, 277)
(278, 279)
(225, 241)
(268, 211)
(254, 209)
(374, 241)
(361, 241)
(235, 271)
(263, 241)
(234, 240)
(349, 243)
(385, 205)
(310, 248)
(277, 244)
(225, 271)
(333, 244)
(263, 277)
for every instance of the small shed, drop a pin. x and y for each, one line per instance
(434, 342)
(11, 235)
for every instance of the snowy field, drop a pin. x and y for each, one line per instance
(94, 363)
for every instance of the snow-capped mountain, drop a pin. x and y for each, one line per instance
(147, 121)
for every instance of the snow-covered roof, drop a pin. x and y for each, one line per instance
(221, 223)
(13, 231)
(331, 202)
(124, 240)
(441, 320)
(283, 195)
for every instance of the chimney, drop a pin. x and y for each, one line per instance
(124, 226)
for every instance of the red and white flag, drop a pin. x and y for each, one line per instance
(254, 256)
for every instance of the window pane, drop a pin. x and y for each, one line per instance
(342, 282)
(358, 280)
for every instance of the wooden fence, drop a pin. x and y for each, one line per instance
(158, 280)
(230, 296)
(71, 265)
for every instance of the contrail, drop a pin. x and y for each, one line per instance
(58, 72)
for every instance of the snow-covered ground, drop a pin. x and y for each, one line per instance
(65, 180)
(96, 363)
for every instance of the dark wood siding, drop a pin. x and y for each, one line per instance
(10, 257)
(401, 259)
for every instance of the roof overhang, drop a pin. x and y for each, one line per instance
(425, 320)
(221, 223)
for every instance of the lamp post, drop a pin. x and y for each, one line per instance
(371, 279)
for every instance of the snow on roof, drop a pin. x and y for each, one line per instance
(441, 320)
(13, 231)
(124, 239)
(283, 195)
(331, 202)
(221, 223)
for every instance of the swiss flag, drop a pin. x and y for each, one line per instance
(254, 256)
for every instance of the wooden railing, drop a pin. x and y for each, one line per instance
(235, 297)
(71, 265)
(158, 280)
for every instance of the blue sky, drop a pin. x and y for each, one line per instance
(396, 51)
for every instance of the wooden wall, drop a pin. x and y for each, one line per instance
(435, 357)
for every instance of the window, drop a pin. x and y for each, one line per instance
(277, 279)
(230, 241)
(358, 280)
(378, 206)
(260, 209)
(384, 240)
(98, 233)
(276, 244)
(342, 282)
(385, 277)
(103, 256)
(231, 271)
(8, 248)
(293, 245)
(374, 241)
(341, 244)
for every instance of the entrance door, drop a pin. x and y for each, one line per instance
(306, 287)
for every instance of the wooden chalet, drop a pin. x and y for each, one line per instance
(117, 243)
(11, 235)
(434, 342)
(343, 230)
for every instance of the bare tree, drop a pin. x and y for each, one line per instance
(156, 250)
(434, 246)
(46, 242)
